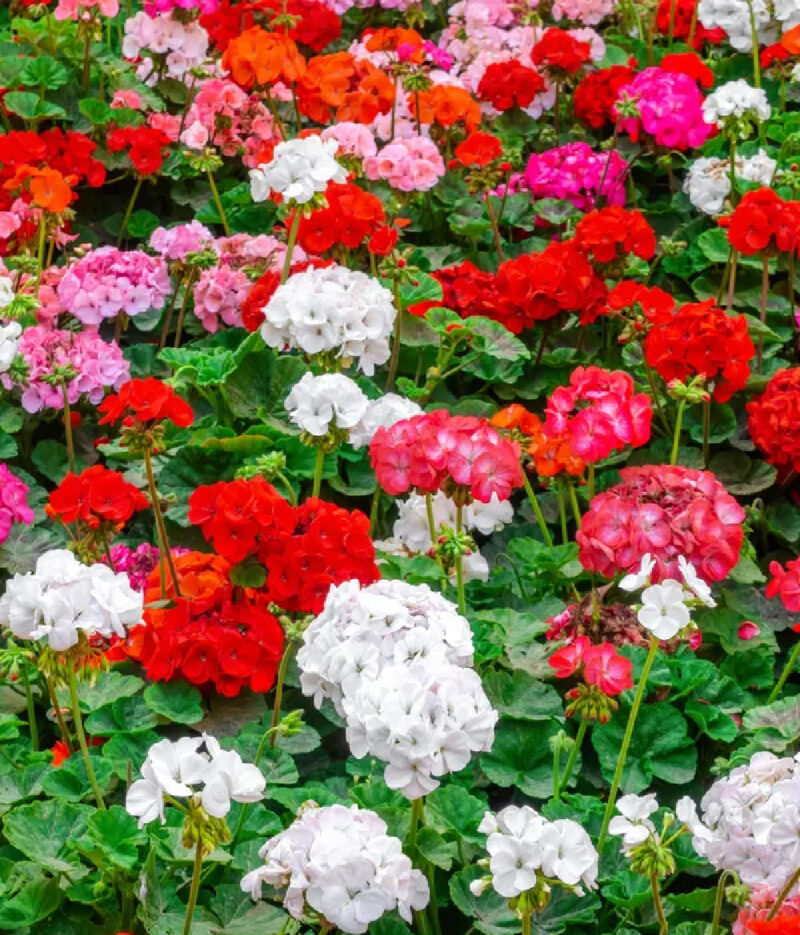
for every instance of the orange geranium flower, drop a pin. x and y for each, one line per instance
(790, 40)
(340, 86)
(48, 188)
(551, 454)
(258, 57)
(388, 39)
(447, 105)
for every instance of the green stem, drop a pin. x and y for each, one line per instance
(396, 339)
(662, 919)
(187, 292)
(763, 309)
(591, 481)
(417, 819)
(374, 510)
(537, 510)
(462, 601)
(673, 459)
(319, 464)
(161, 529)
(787, 671)
(784, 893)
(573, 497)
(718, 902)
(732, 170)
(498, 244)
(279, 683)
(577, 743)
(168, 315)
(672, 6)
(291, 496)
(81, 735)
(651, 379)
(62, 725)
(732, 281)
(556, 774)
(562, 511)
(626, 740)
(754, 37)
(287, 263)
(218, 203)
(32, 725)
(194, 888)
(526, 922)
(68, 428)
(129, 210)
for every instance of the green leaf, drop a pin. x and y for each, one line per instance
(125, 752)
(714, 245)
(36, 900)
(502, 356)
(129, 715)
(722, 427)
(660, 748)
(521, 757)
(45, 832)
(519, 695)
(492, 912)
(108, 687)
(249, 574)
(177, 701)
(45, 72)
(260, 383)
(555, 210)
(23, 103)
(780, 719)
(435, 849)
(70, 781)
(97, 111)
(117, 835)
(141, 225)
(261, 919)
(427, 289)
(8, 447)
(741, 475)
(452, 808)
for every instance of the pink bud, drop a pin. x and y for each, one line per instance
(748, 630)
(696, 640)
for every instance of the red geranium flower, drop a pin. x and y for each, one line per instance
(146, 401)
(478, 149)
(95, 496)
(597, 93)
(608, 234)
(509, 84)
(774, 420)
(146, 147)
(560, 53)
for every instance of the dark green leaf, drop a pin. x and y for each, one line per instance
(177, 701)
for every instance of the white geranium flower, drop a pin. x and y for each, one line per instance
(637, 580)
(384, 411)
(694, 582)
(736, 99)
(663, 611)
(633, 823)
(708, 181)
(316, 403)
(299, 168)
(686, 812)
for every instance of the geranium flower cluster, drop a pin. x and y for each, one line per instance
(177, 242)
(395, 659)
(209, 635)
(733, 17)
(96, 498)
(763, 222)
(749, 821)
(682, 18)
(384, 411)
(143, 403)
(735, 100)
(577, 173)
(526, 850)
(551, 454)
(59, 362)
(772, 419)
(193, 768)
(108, 281)
(700, 339)
(332, 309)
(708, 181)
(785, 584)
(305, 549)
(594, 97)
(9, 335)
(62, 599)
(299, 169)
(437, 451)
(669, 109)
(599, 665)
(609, 234)
(13, 502)
(412, 164)
(667, 512)
(349, 218)
(146, 147)
(164, 46)
(759, 906)
(135, 563)
(324, 404)
(341, 864)
(599, 413)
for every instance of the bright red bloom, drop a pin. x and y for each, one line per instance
(509, 84)
(701, 339)
(666, 511)
(466, 289)
(351, 216)
(607, 669)
(689, 63)
(383, 241)
(763, 221)
(639, 304)
(437, 451)
(146, 147)
(146, 401)
(775, 53)
(560, 53)
(609, 234)
(566, 661)
(780, 925)
(785, 584)
(774, 420)
(61, 751)
(684, 16)
(314, 24)
(95, 496)
(597, 93)
(478, 149)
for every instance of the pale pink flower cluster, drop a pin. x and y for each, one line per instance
(577, 173)
(670, 109)
(13, 502)
(154, 7)
(96, 364)
(354, 139)
(167, 47)
(590, 12)
(413, 164)
(176, 243)
(224, 117)
(108, 281)
(83, 9)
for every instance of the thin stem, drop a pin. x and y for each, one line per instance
(291, 496)
(279, 683)
(754, 37)
(318, 466)
(562, 512)
(718, 902)
(374, 510)
(68, 427)
(662, 919)
(526, 922)
(417, 819)
(784, 893)
(706, 429)
(287, 263)
(62, 724)
(677, 437)
(626, 740)
(33, 727)
(591, 481)
(194, 887)
(187, 292)
(220, 210)
(732, 281)
(397, 338)
(462, 601)
(577, 743)
(537, 510)
(787, 671)
(77, 719)
(556, 773)
(168, 316)
(498, 244)
(732, 170)
(161, 529)
(576, 510)
(430, 873)
(763, 309)
(431, 519)
(129, 210)
(693, 26)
